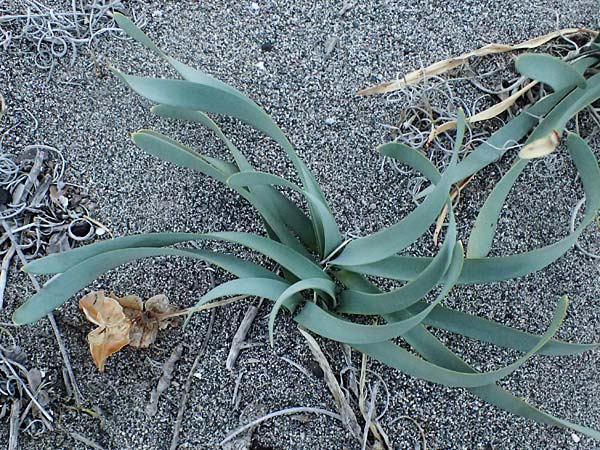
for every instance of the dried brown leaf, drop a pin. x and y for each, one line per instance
(113, 329)
(444, 66)
(486, 114)
(147, 318)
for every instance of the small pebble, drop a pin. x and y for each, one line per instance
(266, 46)
(261, 65)
(575, 438)
(330, 120)
(254, 6)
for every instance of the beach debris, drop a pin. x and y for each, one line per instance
(164, 381)
(147, 318)
(346, 412)
(24, 393)
(113, 329)
(446, 65)
(124, 321)
(37, 205)
(52, 34)
(240, 336)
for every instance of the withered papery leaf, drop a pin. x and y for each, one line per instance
(113, 329)
(146, 318)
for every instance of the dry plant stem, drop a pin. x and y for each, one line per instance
(188, 383)
(346, 413)
(282, 412)
(446, 65)
(419, 427)
(240, 336)
(4, 272)
(486, 114)
(236, 397)
(13, 433)
(86, 441)
(183, 312)
(14, 373)
(34, 173)
(57, 335)
(165, 380)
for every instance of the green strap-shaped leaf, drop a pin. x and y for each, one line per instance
(341, 330)
(493, 332)
(483, 232)
(288, 211)
(395, 238)
(170, 150)
(79, 275)
(562, 113)
(76, 261)
(549, 70)
(172, 112)
(184, 70)
(174, 152)
(491, 269)
(356, 302)
(394, 356)
(437, 353)
(326, 220)
(484, 229)
(326, 286)
(234, 104)
(515, 130)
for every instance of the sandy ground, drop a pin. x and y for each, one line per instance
(90, 116)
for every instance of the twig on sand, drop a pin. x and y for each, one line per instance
(188, 382)
(164, 381)
(283, 412)
(86, 441)
(235, 398)
(240, 335)
(13, 433)
(57, 335)
(346, 413)
(8, 256)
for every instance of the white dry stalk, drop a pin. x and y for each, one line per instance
(56, 331)
(283, 412)
(165, 380)
(344, 408)
(14, 423)
(240, 336)
(4, 272)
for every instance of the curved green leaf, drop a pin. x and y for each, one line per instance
(326, 286)
(394, 356)
(493, 332)
(395, 238)
(341, 330)
(58, 290)
(356, 302)
(330, 229)
(549, 70)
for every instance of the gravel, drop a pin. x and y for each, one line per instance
(281, 54)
